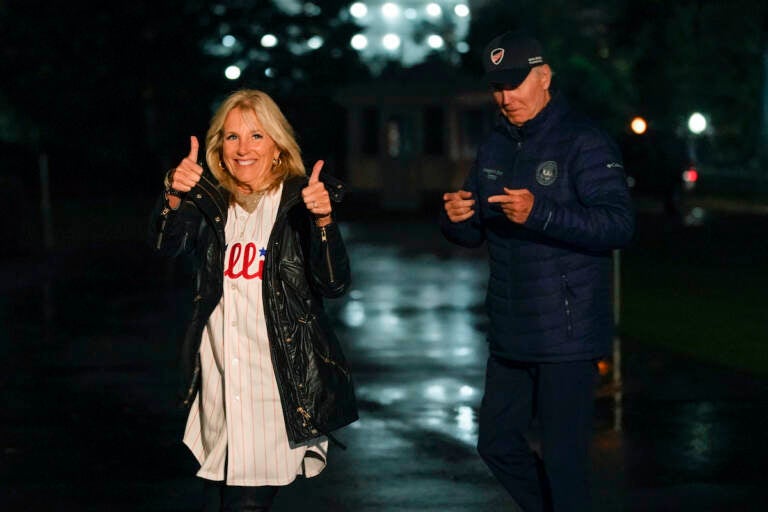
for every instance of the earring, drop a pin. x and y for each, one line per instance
(276, 161)
(221, 164)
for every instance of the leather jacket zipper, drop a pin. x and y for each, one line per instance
(161, 231)
(324, 238)
(328, 360)
(308, 419)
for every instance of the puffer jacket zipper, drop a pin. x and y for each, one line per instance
(567, 303)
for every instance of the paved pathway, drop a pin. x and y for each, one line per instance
(87, 421)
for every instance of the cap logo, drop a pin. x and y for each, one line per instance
(496, 55)
(532, 61)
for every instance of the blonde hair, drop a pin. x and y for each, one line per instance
(275, 125)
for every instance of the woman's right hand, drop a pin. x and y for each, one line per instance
(185, 175)
(188, 172)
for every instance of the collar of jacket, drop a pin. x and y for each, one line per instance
(212, 199)
(555, 109)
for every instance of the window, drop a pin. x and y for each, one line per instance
(434, 128)
(370, 131)
(472, 129)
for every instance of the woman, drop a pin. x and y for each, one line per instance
(264, 376)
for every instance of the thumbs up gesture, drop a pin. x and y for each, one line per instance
(188, 172)
(316, 197)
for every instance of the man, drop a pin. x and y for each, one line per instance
(548, 194)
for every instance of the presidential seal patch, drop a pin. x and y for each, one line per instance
(546, 174)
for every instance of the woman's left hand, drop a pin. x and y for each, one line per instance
(316, 197)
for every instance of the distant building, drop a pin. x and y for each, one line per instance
(413, 135)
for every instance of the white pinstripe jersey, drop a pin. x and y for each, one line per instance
(237, 414)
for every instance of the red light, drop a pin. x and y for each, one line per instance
(691, 175)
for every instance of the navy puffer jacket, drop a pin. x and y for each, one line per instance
(549, 293)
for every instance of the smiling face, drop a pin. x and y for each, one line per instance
(247, 150)
(522, 103)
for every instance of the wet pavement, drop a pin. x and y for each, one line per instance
(87, 390)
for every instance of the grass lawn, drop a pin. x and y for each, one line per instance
(701, 293)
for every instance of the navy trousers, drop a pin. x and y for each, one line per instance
(560, 396)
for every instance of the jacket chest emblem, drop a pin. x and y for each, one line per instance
(546, 173)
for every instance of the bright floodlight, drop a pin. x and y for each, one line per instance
(311, 9)
(390, 10)
(268, 40)
(359, 42)
(434, 10)
(358, 9)
(391, 42)
(461, 10)
(232, 72)
(435, 41)
(638, 125)
(697, 123)
(228, 41)
(315, 42)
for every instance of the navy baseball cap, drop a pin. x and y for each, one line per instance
(509, 57)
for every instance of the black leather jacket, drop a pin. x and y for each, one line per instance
(304, 263)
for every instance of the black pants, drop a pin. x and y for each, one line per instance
(219, 497)
(561, 397)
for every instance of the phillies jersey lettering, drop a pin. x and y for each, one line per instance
(242, 259)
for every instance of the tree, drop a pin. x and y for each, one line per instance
(116, 88)
(578, 45)
(656, 58)
(699, 55)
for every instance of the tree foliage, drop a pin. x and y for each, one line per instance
(701, 55)
(121, 85)
(655, 58)
(578, 47)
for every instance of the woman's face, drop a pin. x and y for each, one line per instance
(247, 151)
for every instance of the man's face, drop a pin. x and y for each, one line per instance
(524, 102)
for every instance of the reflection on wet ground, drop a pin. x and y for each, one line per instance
(88, 382)
(417, 316)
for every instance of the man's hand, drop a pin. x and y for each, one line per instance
(459, 205)
(516, 204)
